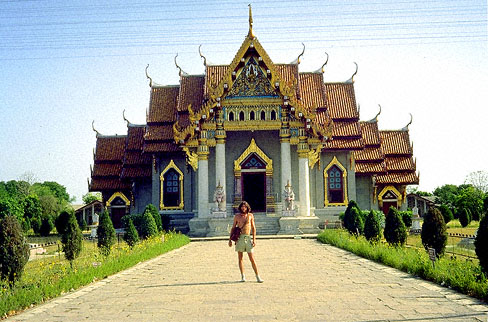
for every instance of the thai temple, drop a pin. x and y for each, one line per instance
(267, 133)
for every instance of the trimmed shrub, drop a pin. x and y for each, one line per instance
(349, 222)
(356, 224)
(131, 236)
(36, 224)
(72, 239)
(148, 226)
(395, 230)
(372, 227)
(14, 251)
(136, 220)
(446, 213)
(157, 217)
(464, 216)
(106, 234)
(61, 222)
(46, 226)
(406, 217)
(481, 244)
(434, 231)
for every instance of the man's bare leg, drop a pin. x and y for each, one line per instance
(254, 267)
(241, 266)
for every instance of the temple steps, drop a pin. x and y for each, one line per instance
(179, 222)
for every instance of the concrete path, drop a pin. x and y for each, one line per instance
(304, 280)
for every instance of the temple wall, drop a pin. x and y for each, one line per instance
(142, 196)
(364, 193)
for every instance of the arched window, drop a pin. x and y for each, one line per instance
(335, 185)
(251, 115)
(231, 116)
(171, 187)
(273, 115)
(241, 116)
(263, 115)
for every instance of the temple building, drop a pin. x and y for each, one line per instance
(283, 140)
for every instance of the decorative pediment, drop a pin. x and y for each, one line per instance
(251, 82)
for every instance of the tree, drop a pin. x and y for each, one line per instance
(89, 197)
(372, 227)
(414, 190)
(395, 230)
(58, 190)
(32, 206)
(472, 199)
(481, 244)
(478, 179)
(62, 221)
(106, 234)
(446, 194)
(72, 239)
(46, 226)
(434, 231)
(131, 236)
(157, 217)
(446, 213)
(350, 222)
(14, 251)
(148, 225)
(83, 225)
(464, 216)
(9, 206)
(36, 224)
(406, 218)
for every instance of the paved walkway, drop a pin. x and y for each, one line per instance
(304, 280)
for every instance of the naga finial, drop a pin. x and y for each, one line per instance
(125, 119)
(327, 60)
(181, 72)
(351, 80)
(204, 59)
(147, 75)
(303, 52)
(406, 126)
(376, 117)
(93, 127)
(250, 33)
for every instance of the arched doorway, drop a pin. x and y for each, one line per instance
(118, 206)
(254, 182)
(389, 197)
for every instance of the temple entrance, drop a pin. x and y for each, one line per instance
(254, 190)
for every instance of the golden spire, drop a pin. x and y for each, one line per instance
(251, 33)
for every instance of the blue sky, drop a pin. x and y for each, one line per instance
(64, 65)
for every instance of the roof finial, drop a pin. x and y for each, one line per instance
(406, 126)
(125, 119)
(376, 117)
(150, 79)
(297, 61)
(204, 59)
(93, 127)
(322, 68)
(181, 72)
(351, 80)
(250, 33)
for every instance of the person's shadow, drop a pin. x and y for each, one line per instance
(193, 284)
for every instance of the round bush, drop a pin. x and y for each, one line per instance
(131, 236)
(157, 217)
(481, 244)
(372, 227)
(349, 222)
(106, 234)
(14, 251)
(464, 216)
(395, 230)
(148, 225)
(446, 213)
(407, 218)
(72, 239)
(46, 226)
(434, 231)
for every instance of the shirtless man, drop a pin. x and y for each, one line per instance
(245, 220)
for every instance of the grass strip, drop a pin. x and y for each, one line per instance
(48, 278)
(464, 276)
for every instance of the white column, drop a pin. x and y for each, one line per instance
(203, 188)
(304, 182)
(285, 164)
(220, 166)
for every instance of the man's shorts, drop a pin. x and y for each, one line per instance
(244, 244)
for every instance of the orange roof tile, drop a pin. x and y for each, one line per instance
(162, 106)
(371, 168)
(135, 137)
(136, 172)
(344, 144)
(153, 147)
(395, 142)
(288, 73)
(370, 133)
(159, 132)
(108, 184)
(191, 92)
(106, 169)
(312, 91)
(136, 158)
(110, 148)
(341, 101)
(400, 164)
(342, 129)
(397, 178)
(369, 154)
(213, 76)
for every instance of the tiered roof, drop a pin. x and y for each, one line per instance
(135, 163)
(109, 154)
